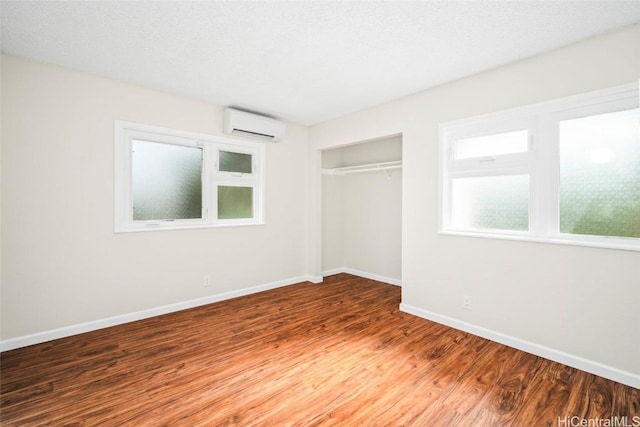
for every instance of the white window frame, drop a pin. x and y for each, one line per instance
(541, 162)
(236, 179)
(125, 132)
(498, 165)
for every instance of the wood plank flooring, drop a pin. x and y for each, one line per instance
(335, 354)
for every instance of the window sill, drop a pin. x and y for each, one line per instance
(619, 243)
(160, 227)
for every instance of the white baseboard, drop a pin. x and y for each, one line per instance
(366, 275)
(314, 279)
(577, 362)
(332, 272)
(93, 325)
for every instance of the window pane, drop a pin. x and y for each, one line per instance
(492, 145)
(491, 202)
(235, 202)
(235, 162)
(167, 181)
(600, 175)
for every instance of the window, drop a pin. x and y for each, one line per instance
(169, 179)
(236, 183)
(600, 174)
(166, 181)
(492, 145)
(565, 171)
(499, 202)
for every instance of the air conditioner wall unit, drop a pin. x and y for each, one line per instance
(242, 123)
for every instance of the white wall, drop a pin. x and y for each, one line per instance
(576, 303)
(373, 224)
(332, 222)
(62, 264)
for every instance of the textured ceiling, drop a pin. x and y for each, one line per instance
(306, 62)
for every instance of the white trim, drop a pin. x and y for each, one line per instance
(574, 361)
(341, 171)
(622, 243)
(333, 271)
(94, 325)
(366, 275)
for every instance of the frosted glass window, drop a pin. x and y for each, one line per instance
(492, 145)
(491, 202)
(166, 181)
(170, 179)
(235, 202)
(600, 174)
(235, 162)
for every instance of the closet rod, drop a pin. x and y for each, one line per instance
(363, 168)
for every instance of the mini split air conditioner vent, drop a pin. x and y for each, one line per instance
(251, 125)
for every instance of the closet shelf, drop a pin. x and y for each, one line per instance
(384, 166)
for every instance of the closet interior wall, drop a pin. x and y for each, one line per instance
(361, 212)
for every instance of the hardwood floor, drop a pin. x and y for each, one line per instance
(339, 354)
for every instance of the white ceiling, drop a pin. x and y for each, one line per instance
(303, 61)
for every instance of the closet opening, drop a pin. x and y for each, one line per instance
(362, 209)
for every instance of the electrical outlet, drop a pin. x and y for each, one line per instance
(466, 302)
(206, 281)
